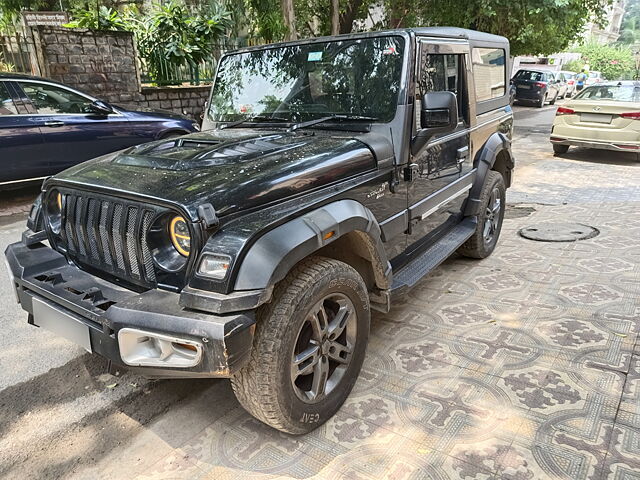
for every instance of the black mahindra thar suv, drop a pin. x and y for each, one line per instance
(331, 175)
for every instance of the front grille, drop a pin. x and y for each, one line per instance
(109, 235)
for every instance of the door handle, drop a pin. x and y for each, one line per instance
(54, 123)
(462, 154)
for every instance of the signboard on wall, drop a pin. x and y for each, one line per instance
(51, 19)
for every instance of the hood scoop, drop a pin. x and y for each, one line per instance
(189, 153)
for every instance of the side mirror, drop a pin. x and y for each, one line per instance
(438, 114)
(101, 108)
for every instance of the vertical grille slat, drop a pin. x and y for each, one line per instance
(147, 259)
(116, 226)
(132, 240)
(79, 227)
(69, 223)
(110, 235)
(103, 228)
(90, 231)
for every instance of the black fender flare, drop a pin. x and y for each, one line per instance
(274, 254)
(486, 158)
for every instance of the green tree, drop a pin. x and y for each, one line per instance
(532, 26)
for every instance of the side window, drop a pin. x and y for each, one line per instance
(7, 107)
(489, 72)
(440, 73)
(51, 100)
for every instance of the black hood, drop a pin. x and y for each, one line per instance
(233, 169)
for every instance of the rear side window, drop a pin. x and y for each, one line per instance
(529, 75)
(489, 71)
(616, 93)
(7, 107)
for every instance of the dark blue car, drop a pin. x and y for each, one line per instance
(46, 127)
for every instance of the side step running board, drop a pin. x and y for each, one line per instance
(424, 264)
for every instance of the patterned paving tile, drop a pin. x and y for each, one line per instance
(523, 366)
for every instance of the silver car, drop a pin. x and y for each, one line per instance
(570, 79)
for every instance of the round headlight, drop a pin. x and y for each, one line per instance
(179, 233)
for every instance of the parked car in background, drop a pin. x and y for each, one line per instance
(46, 127)
(560, 82)
(570, 79)
(593, 78)
(535, 86)
(605, 116)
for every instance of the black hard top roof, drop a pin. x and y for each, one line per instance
(455, 32)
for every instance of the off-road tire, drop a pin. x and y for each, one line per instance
(476, 246)
(560, 149)
(264, 386)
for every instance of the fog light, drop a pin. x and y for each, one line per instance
(148, 349)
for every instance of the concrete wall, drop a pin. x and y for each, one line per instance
(104, 64)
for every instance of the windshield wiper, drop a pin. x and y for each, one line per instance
(339, 117)
(255, 118)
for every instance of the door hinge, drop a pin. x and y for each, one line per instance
(411, 172)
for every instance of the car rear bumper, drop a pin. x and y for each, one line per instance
(529, 95)
(618, 146)
(105, 318)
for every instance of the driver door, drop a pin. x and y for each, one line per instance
(70, 131)
(441, 172)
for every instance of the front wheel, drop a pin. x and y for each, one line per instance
(309, 346)
(492, 198)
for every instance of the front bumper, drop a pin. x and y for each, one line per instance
(43, 276)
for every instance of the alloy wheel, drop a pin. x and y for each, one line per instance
(492, 216)
(323, 347)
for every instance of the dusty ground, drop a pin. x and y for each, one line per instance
(522, 366)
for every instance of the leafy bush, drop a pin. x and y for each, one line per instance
(6, 67)
(615, 62)
(103, 18)
(171, 36)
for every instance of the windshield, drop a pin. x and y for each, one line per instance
(616, 93)
(304, 82)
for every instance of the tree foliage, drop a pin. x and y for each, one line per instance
(532, 26)
(630, 29)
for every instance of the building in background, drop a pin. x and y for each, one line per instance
(610, 32)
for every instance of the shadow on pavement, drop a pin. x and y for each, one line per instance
(603, 157)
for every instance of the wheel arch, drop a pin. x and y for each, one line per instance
(344, 230)
(494, 155)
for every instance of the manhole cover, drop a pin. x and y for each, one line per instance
(559, 232)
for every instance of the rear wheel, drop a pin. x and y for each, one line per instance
(542, 101)
(554, 99)
(560, 149)
(309, 346)
(492, 198)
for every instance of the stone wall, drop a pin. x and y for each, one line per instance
(100, 63)
(186, 100)
(104, 64)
